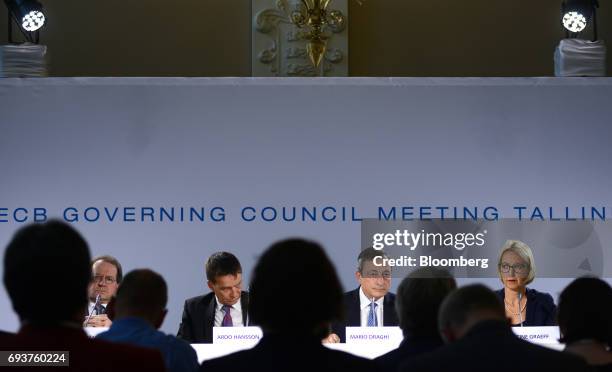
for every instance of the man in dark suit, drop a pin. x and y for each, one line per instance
(46, 274)
(107, 275)
(371, 304)
(226, 306)
(293, 324)
(473, 321)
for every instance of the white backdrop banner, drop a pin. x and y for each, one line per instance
(162, 172)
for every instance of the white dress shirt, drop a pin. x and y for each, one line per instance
(235, 313)
(364, 305)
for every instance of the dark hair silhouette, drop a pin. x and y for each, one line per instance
(584, 311)
(143, 291)
(466, 301)
(418, 301)
(295, 286)
(50, 252)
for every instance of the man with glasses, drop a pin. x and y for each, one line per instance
(371, 304)
(106, 276)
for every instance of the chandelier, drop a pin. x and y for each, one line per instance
(315, 16)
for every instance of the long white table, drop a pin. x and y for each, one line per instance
(368, 350)
(210, 351)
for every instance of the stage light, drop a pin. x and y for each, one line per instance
(574, 21)
(576, 15)
(576, 55)
(29, 16)
(33, 21)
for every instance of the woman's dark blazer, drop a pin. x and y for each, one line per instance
(541, 309)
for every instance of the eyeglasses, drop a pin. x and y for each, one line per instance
(377, 274)
(105, 279)
(520, 269)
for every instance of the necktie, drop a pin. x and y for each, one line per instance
(372, 319)
(227, 318)
(100, 309)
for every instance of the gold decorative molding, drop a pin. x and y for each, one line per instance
(279, 48)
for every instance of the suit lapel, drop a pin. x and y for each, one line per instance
(244, 303)
(354, 314)
(389, 316)
(529, 311)
(209, 318)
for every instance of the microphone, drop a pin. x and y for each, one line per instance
(520, 296)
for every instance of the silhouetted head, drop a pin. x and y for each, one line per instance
(418, 301)
(143, 293)
(584, 311)
(295, 287)
(465, 307)
(46, 273)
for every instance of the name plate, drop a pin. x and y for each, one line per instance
(538, 335)
(391, 336)
(247, 336)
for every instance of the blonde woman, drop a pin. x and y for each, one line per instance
(524, 306)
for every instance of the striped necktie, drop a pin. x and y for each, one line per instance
(227, 318)
(372, 319)
(99, 310)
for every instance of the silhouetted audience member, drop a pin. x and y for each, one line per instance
(585, 311)
(417, 302)
(294, 296)
(473, 320)
(54, 253)
(139, 311)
